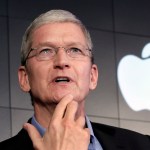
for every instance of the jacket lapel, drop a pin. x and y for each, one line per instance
(107, 139)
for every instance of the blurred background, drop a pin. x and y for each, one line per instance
(118, 28)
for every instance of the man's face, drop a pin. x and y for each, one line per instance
(52, 79)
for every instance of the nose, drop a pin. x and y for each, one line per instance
(61, 60)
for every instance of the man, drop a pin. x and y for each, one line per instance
(58, 70)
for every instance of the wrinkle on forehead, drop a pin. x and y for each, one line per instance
(59, 34)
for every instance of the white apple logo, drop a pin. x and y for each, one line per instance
(134, 79)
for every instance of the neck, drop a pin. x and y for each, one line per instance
(44, 113)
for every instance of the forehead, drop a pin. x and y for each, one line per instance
(59, 33)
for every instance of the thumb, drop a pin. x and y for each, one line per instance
(33, 134)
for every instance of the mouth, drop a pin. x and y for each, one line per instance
(62, 79)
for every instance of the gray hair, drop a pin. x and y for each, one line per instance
(52, 16)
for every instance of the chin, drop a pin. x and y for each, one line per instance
(57, 98)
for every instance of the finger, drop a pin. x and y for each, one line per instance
(87, 130)
(81, 121)
(61, 107)
(33, 134)
(71, 110)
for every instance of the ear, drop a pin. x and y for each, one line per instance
(23, 79)
(93, 77)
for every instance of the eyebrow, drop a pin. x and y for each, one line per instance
(52, 44)
(44, 44)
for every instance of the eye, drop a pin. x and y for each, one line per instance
(75, 50)
(46, 51)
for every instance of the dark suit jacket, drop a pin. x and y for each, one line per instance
(111, 138)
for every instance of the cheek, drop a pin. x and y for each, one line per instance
(84, 76)
(37, 76)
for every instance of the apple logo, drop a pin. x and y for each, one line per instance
(133, 75)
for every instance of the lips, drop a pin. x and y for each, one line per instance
(62, 79)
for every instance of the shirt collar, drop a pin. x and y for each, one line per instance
(38, 126)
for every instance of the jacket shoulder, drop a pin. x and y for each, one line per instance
(121, 137)
(112, 129)
(21, 141)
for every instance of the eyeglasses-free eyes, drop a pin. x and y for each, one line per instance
(44, 53)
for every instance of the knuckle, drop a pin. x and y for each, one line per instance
(53, 125)
(72, 104)
(67, 124)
